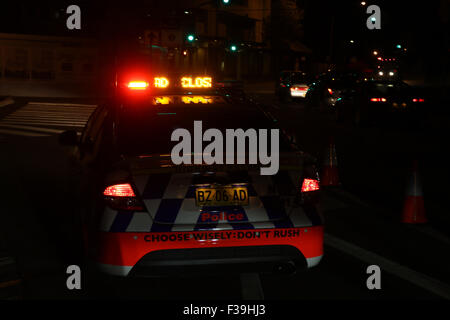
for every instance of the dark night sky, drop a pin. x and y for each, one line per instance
(408, 22)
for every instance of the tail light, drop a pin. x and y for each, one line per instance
(378, 99)
(330, 91)
(310, 185)
(418, 100)
(137, 85)
(310, 190)
(299, 90)
(122, 197)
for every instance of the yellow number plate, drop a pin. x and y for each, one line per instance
(222, 196)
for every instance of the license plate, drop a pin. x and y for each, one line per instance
(221, 196)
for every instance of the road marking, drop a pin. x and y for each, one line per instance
(251, 287)
(43, 123)
(22, 133)
(37, 119)
(44, 117)
(63, 104)
(419, 279)
(31, 128)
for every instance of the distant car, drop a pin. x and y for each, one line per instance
(387, 70)
(375, 102)
(326, 89)
(292, 85)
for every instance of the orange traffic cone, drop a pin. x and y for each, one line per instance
(413, 208)
(330, 175)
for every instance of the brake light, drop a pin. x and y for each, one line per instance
(310, 185)
(137, 85)
(378, 99)
(330, 91)
(119, 190)
(122, 197)
(418, 100)
(297, 88)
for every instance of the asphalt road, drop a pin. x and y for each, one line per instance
(360, 232)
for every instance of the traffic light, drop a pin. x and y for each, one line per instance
(399, 46)
(226, 1)
(233, 48)
(190, 37)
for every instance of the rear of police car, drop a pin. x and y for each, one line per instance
(161, 218)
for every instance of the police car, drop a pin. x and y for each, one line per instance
(143, 215)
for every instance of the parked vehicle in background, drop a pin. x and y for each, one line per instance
(376, 102)
(327, 88)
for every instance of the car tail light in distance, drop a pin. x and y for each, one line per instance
(378, 100)
(122, 197)
(418, 100)
(299, 91)
(310, 185)
(330, 91)
(137, 85)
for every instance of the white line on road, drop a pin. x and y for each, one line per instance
(38, 129)
(416, 278)
(22, 133)
(251, 287)
(63, 104)
(53, 114)
(45, 118)
(42, 121)
(54, 124)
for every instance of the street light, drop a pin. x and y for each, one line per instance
(190, 37)
(375, 53)
(363, 3)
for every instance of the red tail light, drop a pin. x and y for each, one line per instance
(418, 100)
(137, 85)
(310, 185)
(119, 190)
(378, 99)
(330, 91)
(297, 88)
(122, 197)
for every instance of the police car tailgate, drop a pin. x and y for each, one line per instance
(217, 196)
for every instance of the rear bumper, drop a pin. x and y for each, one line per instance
(231, 251)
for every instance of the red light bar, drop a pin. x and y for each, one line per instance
(310, 185)
(119, 190)
(137, 85)
(418, 100)
(299, 89)
(378, 99)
